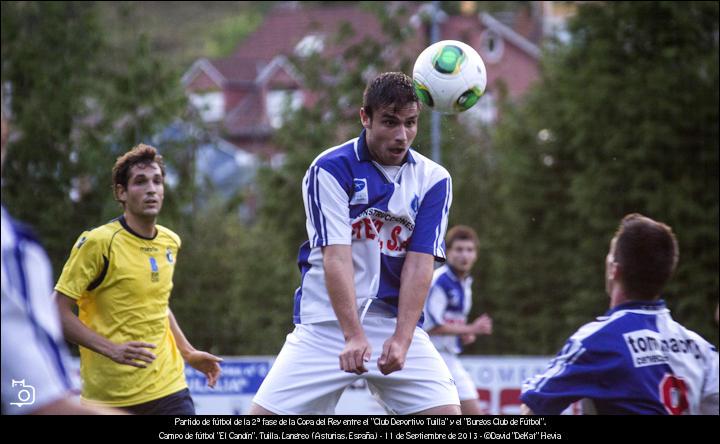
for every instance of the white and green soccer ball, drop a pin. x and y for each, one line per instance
(449, 77)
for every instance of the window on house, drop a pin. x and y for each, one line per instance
(211, 105)
(279, 102)
(492, 46)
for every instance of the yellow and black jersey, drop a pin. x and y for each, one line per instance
(122, 283)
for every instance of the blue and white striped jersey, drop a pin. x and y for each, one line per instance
(449, 301)
(350, 200)
(634, 360)
(34, 359)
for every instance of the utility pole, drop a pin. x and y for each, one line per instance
(435, 116)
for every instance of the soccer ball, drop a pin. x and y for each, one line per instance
(449, 77)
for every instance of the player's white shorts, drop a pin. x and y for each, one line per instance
(306, 376)
(465, 385)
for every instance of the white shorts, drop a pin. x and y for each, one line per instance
(306, 377)
(465, 385)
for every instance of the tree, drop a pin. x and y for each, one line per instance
(624, 120)
(76, 104)
(48, 65)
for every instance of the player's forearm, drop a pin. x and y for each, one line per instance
(337, 262)
(180, 340)
(452, 329)
(76, 332)
(414, 285)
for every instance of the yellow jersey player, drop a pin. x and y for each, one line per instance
(120, 276)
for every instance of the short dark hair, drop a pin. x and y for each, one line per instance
(389, 88)
(461, 232)
(140, 155)
(647, 252)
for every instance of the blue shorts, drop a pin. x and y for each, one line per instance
(177, 404)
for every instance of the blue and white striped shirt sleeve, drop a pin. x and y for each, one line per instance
(569, 377)
(34, 358)
(432, 219)
(326, 208)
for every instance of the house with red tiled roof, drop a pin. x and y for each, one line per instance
(243, 95)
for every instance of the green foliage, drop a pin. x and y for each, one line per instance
(45, 45)
(624, 119)
(599, 137)
(233, 292)
(629, 111)
(229, 31)
(181, 31)
(77, 103)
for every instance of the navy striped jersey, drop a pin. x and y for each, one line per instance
(449, 301)
(634, 360)
(34, 358)
(351, 200)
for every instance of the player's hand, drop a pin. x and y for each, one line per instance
(483, 325)
(206, 363)
(393, 355)
(356, 353)
(468, 338)
(133, 353)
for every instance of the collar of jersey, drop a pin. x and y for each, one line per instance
(363, 153)
(454, 276)
(125, 225)
(639, 305)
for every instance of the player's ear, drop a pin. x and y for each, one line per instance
(364, 118)
(614, 271)
(120, 194)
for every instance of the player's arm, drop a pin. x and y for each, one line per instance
(339, 281)
(435, 324)
(134, 353)
(328, 214)
(204, 362)
(415, 281)
(710, 396)
(574, 374)
(480, 326)
(452, 329)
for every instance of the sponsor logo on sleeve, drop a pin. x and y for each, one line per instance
(360, 192)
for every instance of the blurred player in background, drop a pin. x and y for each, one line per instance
(636, 359)
(447, 308)
(35, 371)
(120, 275)
(376, 218)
